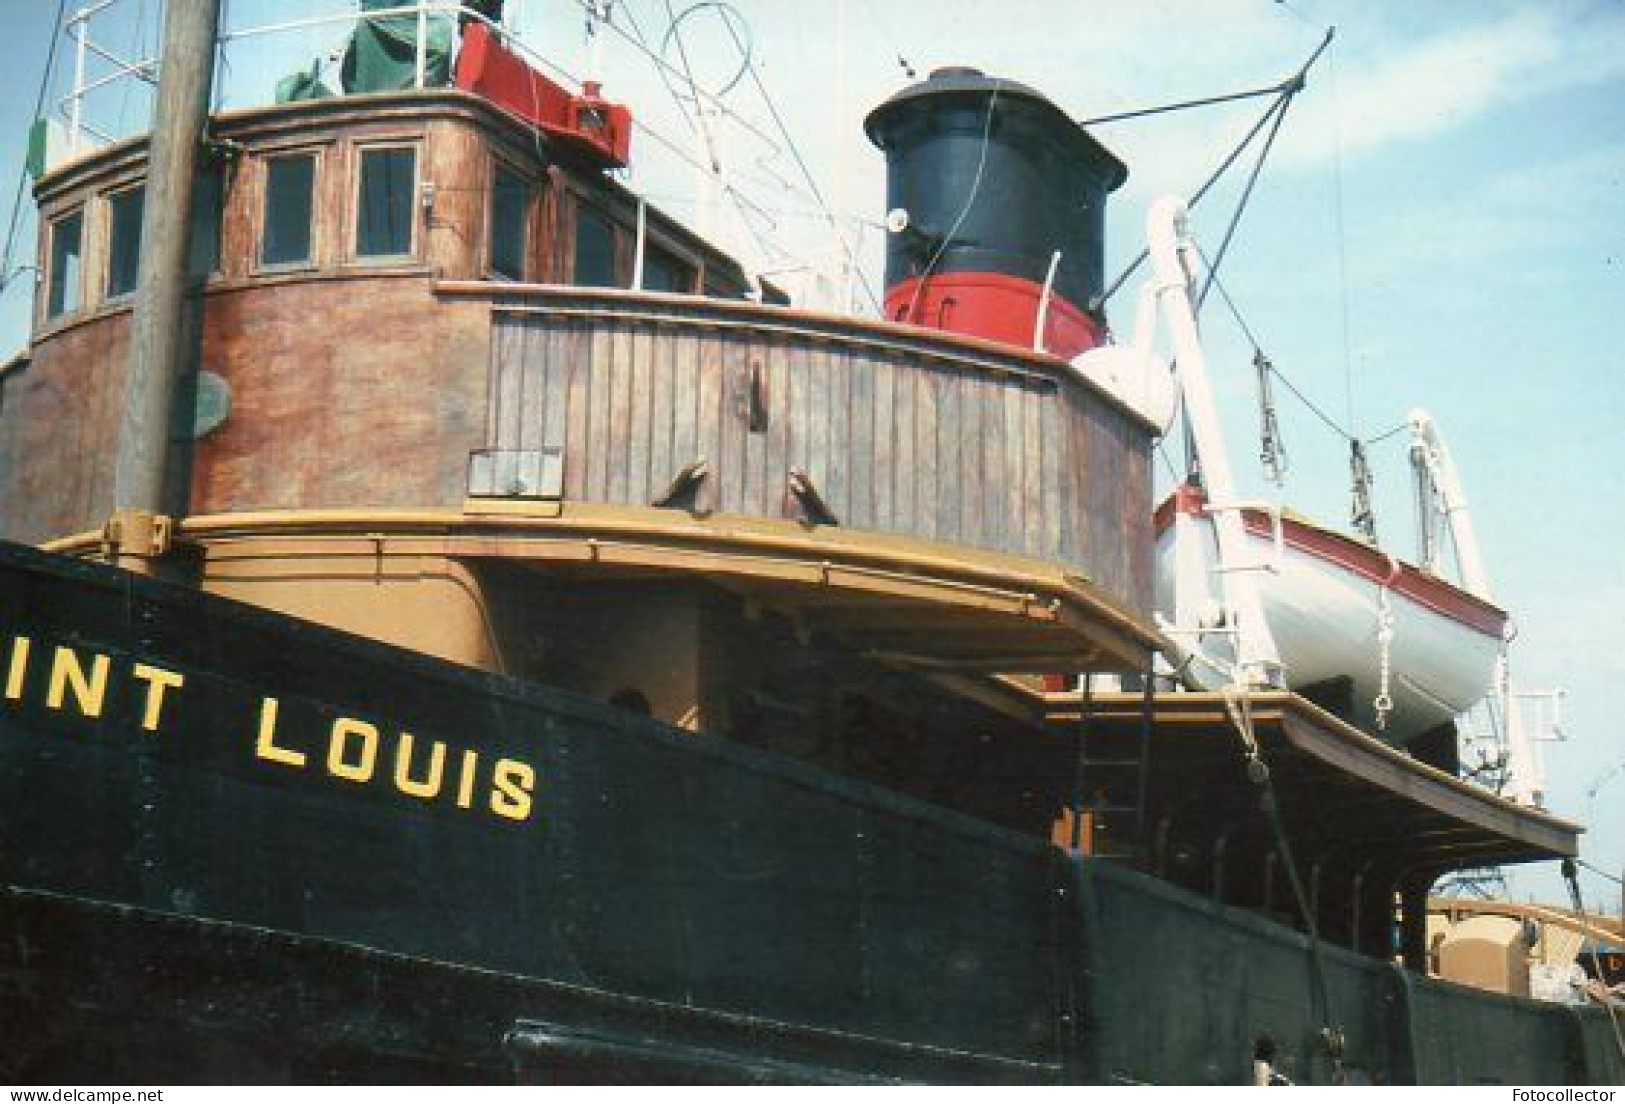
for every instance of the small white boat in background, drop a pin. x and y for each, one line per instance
(1327, 599)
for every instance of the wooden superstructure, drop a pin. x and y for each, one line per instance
(428, 409)
(796, 529)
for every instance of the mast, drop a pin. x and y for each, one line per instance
(157, 345)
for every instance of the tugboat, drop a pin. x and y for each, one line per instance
(458, 626)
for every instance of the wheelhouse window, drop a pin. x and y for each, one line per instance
(290, 186)
(208, 209)
(595, 249)
(663, 272)
(384, 207)
(66, 258)
(124, 241)
(510, 223)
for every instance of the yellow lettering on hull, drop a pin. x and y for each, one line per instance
(511, 785)
(429, 788)
(266, 746)
(68, 673)
(338, 742)
(158, 682)
(78, 680)
(17, 668)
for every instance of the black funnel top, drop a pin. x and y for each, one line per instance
(1016, 175)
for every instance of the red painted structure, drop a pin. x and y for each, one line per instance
(994, 306)
(588, 123)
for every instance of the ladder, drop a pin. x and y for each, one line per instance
(1108, 811)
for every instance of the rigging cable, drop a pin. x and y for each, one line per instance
(1342, 243)
(675, 32)
(1186, 105)
(6, 272)
(964, 212)
(653, 134)
(806, 172)
(665, 67)
(1286, 90)
(1238, 707)
(1286, 381)
(1601, 873)
(1241, 203)
(740, 201)
(1571, 877)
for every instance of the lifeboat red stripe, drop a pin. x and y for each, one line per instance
(1357, 559)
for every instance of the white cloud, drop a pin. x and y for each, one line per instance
(1445, 81)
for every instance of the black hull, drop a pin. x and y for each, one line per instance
(201, 888)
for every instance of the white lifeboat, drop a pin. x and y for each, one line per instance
(1326, 599)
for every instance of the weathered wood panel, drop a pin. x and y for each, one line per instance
(951, 448)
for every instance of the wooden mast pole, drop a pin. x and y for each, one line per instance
(157, 339)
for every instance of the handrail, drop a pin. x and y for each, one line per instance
(78, 28)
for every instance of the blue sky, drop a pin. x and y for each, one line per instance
(1443, 225)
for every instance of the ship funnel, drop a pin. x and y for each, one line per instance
(986, 181)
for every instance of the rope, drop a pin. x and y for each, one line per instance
(1387, 433)
(6, 272)
(1608, 1002)
(1238, 707)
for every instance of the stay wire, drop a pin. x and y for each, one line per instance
(1241, 204)
(6, 273)
(1570, 875)
(666, 67)
(1186, 105)
(807, 173)
(1207, 185)
(964, 212)
(1285, 91)
(1313, 407)
(1600, 872)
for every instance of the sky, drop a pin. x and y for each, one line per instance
(1442, 224)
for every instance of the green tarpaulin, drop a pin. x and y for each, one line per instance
(382, 56)
(38, 142)
(305, 85)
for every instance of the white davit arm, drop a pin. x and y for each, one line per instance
(1428, 446)
(1257, 660)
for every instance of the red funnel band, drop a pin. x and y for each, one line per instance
(997, 307)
